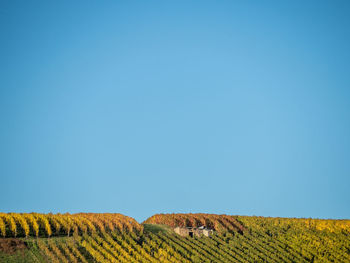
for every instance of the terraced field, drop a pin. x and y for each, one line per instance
(117, 238)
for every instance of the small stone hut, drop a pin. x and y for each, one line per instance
(193, 231)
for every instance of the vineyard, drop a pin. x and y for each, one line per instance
(40, 225)
(118, 238)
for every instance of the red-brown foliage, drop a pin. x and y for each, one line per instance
(217, 222)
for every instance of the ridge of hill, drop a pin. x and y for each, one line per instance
(88, 237)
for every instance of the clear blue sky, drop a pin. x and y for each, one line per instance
(142, 107)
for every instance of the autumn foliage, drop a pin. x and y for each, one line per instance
(46, 225)
(217, 222)
(240, 224)
(91, 238)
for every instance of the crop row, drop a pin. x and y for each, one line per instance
(47, 225)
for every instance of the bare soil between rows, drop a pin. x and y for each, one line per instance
(12, 245)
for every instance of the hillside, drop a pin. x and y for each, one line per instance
(118, 238)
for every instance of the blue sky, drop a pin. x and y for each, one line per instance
(143, 107)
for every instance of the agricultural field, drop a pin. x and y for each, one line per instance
(88, 237)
